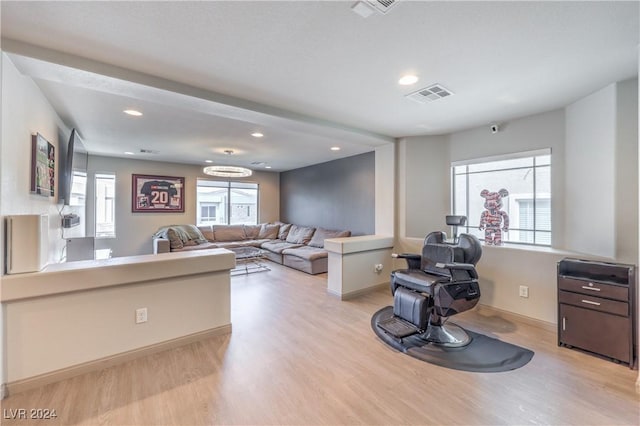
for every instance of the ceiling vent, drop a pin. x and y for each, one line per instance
(382, 6)
(430, 94)
(148, 151)
(258, 163)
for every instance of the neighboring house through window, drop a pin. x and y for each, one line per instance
(227, 203)
(105, 205)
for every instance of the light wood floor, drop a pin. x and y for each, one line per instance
(299, 356)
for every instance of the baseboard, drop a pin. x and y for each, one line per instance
(357, 293)
(109, 361)
(548, 326)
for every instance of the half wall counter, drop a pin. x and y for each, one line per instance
(75, 317)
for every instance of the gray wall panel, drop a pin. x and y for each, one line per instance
(339, 194)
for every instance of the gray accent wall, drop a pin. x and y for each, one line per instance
(339, 194)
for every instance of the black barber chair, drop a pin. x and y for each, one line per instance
(438, 284)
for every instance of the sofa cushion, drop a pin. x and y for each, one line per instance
(300, 234)
(283, 231)
(207, 232)
(268, 231)
(226, 233)
(321, 234)
(277, 246)
(251, 231)
(306, 252)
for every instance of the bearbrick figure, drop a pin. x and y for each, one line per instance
(494, 220)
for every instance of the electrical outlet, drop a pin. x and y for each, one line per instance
(141, 315)
(524, 291)
(378, 268)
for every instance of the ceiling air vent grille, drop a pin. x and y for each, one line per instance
(430, 94)
(382, 5)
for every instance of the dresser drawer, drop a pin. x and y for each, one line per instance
(594, 288)
(594, 303)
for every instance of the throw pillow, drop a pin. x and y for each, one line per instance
(284, 230)
(228, 233)
(252, 231)
(268, 231)
(299, 234)
(207, 232)
(321, 234)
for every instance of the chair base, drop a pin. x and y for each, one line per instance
(448, 335)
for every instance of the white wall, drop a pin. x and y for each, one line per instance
(423, 175)
(385, 189)
(626, 178)
(423, 185)
(590, 173)
(24, 111)
(134, 230)
(534, 132)
(602, 151)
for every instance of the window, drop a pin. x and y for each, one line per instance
(227, 203)
(208, 212)
(105, 205)
(527, 177)
(78, 188)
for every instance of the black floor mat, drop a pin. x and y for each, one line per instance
(483, 354)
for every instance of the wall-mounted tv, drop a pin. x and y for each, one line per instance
(74, 177)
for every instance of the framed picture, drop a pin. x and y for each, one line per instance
(43, 166)
(157, 194)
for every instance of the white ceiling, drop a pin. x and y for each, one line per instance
(308, 74)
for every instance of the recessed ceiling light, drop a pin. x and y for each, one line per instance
(129, 153)
(208, 161)
(257, 135)
(132, 112)
(335, 148)
(408, 80)
(267, 167)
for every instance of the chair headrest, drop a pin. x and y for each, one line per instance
(456, 220)
(471, 247)
(466, 250)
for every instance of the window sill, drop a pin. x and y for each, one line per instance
(536, 249)
(417, 242)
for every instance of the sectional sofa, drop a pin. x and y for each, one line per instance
(299, 247)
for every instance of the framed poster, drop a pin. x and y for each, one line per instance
(43, 166)
(157, 194)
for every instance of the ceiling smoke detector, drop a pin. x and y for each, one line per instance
(430, 94)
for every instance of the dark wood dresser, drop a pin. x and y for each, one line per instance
(596, 308)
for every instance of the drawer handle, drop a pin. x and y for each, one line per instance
(589, 302)
(591, 288)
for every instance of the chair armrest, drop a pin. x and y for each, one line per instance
(413, 260)
(459, 266)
